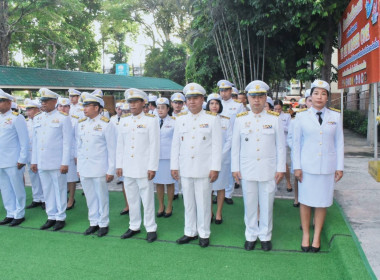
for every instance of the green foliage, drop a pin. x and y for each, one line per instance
(355, 121)
(170, 63)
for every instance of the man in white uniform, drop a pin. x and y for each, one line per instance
(96, 143)
(196, 158)
(152, 105)
(231, 108)
(14, 143)
(115, 119)
(75, 108)
(99, 93)
(51, 156)
(258, 160)
(33, 109)
(138, 152)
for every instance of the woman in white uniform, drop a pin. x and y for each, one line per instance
(214, 104)
(163, 176)
(318, 155)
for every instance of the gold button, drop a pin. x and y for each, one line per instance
(258, 150)
(258, 159)
(192, 157)
(258, 139)
(320, 143)
(321, 132)
(319, 154)
(133, 138)
(193, 137)
(86, 149)
(87, 158)
(131, 155)
(192, 147)
(257, 129)
(193, 127)
(42, 149)
(132, 147)
(257, 121)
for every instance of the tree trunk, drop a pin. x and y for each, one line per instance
(262, 73)
(327, 53)
(249, 56)
(242, 57)
(5, 33)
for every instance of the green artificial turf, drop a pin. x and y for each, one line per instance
(29, 253)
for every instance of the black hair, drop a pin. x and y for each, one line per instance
(311, 91)
(270, 106)
(153, 103)
(220, 106)
(278, 102)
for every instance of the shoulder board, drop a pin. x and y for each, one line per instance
(82, 120)
(211, 113)
(38, 113)
(105, 110)
(125, 115)
(173, 117)
(63, 113)
(302, 110)
(15, 113)
(273, 113)
(75, 116)
(81, 109)
(181, 114)
(333, 109)
(27, 119)
(105, 119)
(150, 115)
(224, 117)
(237, 101)
(241, 114)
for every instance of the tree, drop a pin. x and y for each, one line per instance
(170, 63)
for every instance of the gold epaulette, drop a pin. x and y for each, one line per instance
(107, 120)
(81, 109)
(224, 117)
(211, 113)
(181, 114)
(273, 113)
(173, 117)
(125, 115)
(242, 114)
(237, 101)
(105, 110)
(82, 120)
(333, 109)
(302, 110)
(75, 116)
(150, 115)
(15, 113)
(38, 113)
(27, 119)
(63, 113)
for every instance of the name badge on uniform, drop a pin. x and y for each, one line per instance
(332, 123)
(98, 127)
(267, 126)
(55, 121)
(82, 127)
(141, 126)
(232, 108)
(8, 121)
(205, 125)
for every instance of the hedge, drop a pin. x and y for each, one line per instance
(355, 121)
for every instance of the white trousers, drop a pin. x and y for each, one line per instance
(258, 194)
(140, 190)
(230, 187)
(197, 201)
(177, 187)
(54, 187)
(13, 191)
(96, 192)
(37, 194)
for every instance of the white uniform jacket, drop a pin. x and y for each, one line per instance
(76, 110)
(166, 136)
(285, 118)
(52, 137)
(138, 145)
(14, 140)
(231, 108)
(96, 144)
(197, 144)
(258, 146)
(226, 125)
(318, 149)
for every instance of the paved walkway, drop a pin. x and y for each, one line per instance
(358, 194)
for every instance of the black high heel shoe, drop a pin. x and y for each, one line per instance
(315, 249)
(71, 207)
(161, 214)
(218, 222)
(305, 248)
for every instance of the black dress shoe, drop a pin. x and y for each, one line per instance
(6, 221)
(16, 222)
(102, 231)
(228, 200)
(186, 239)
(266, 245)
(43, 205)
(315, 249)
(124, 212)
(249, 245)
(151, 236)
(119, 182)
(34, 204)
(204, 242)
(160, 214)
(71, 207)
(305, 248)
(237, 186)
(59, 225)
(167, 215)
(48, 224)
(129, 233)
(289, 190)
(296, 205)
(214, 200)
(175, 197)
(218, 222)
(91, 230)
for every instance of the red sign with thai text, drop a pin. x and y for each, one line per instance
(359, 51)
